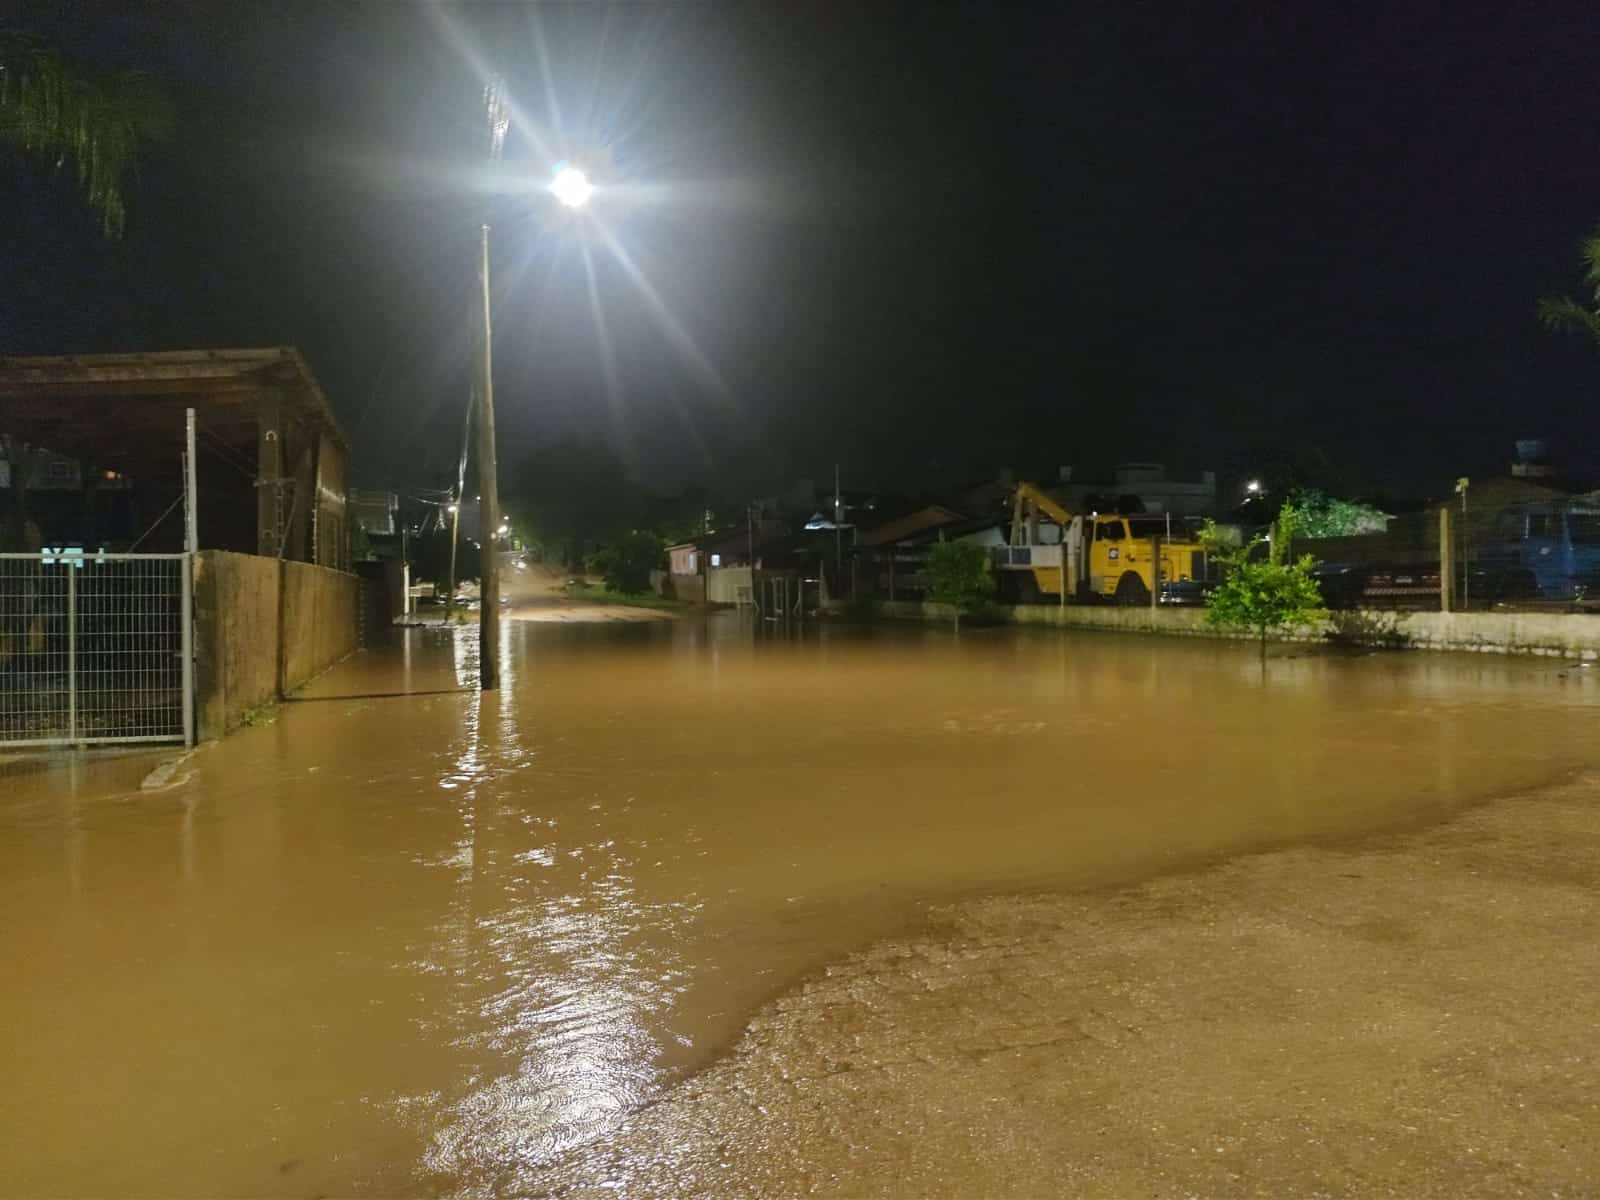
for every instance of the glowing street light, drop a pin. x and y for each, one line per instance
(572, 187)
(1253, 488)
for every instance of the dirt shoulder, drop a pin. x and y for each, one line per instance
(1414, 1016)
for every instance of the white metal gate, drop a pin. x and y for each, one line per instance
(95, 648)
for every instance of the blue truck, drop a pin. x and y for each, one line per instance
(1538, 551)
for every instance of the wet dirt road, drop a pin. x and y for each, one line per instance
(430, 942)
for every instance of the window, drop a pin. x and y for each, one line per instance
(1544, 525)
(716, 560)
(1110, 531)
(1156, 526)
(1584, 528)
(1508, 528)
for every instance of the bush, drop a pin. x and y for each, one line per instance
(959, 575)
(626, 568)
(1263, 594)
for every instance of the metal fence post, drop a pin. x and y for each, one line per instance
(186, 619)
(1155, 575)
(72, 649)
(191, 543)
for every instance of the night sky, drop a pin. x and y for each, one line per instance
(923, 241)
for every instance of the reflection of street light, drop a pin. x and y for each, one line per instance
(571, 186)
(453, 509)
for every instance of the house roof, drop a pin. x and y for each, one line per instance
(127, 410)
(954, 530)
(930, 516)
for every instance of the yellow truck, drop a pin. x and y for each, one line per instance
(1099, 557)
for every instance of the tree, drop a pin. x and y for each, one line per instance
(1567, 315)
(573, 497)
(57, 110)
(959, 575)
(1319, 515)
(1260, 592)
(626, 567)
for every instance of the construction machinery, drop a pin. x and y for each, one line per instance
(1053, 555)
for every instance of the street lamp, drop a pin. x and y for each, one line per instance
(1253, 488)
(571, 186)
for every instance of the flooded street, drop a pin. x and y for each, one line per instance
(409, 939)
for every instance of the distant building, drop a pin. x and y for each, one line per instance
(1533, 460)
(374, 512)
(1156, 491)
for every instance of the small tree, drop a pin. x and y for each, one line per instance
(959, 575)
(628, 565)
(1262, 593)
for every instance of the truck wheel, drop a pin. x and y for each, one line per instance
(1131, 590)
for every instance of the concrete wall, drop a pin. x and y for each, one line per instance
(691, 589)
(1574, 635)
(321, 619)
(242, 658)
(723, 585)
(236, 637)
(720, 585)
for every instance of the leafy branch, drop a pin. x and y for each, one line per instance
(56, 111)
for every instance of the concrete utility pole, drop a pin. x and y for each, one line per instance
(488, 497)
(1447, 561)
(488, 470)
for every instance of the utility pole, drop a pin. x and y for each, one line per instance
(488, 498)
(838, 533)
(461, 494)
(488, 471)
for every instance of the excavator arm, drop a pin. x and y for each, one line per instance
(1029, 499)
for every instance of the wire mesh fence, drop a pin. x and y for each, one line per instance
(94, 648)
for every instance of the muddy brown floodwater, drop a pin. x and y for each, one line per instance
(429, 942)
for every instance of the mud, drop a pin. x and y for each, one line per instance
(408, 938)
(1411, 1016)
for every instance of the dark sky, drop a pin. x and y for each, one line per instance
(924, 241)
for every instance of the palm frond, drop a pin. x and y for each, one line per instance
(1589, 252)
(1565, 315)
(57, 111)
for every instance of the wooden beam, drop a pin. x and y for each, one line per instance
(269, 472)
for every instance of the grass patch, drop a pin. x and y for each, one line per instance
(257, 715)
(597, 593)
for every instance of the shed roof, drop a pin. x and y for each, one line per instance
(127, 410)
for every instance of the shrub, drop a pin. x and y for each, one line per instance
(627, 567)
(959, 575)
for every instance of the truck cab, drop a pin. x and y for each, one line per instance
(1548, 550)
(1122, 550)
